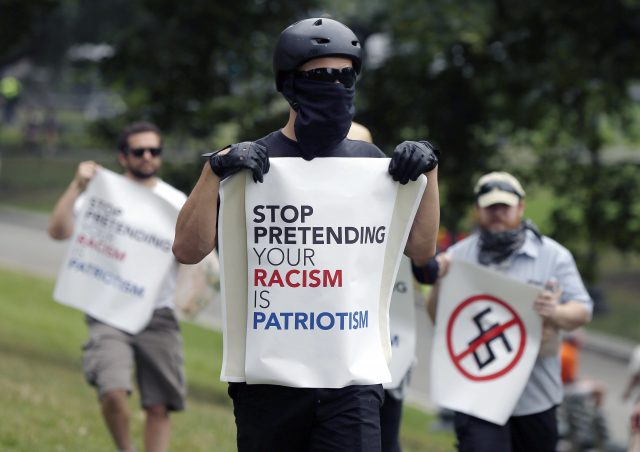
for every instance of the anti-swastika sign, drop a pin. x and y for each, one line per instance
(486, 341)
(485, 337)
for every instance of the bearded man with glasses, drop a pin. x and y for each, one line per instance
(316, 62)
(110, 355)
(511, 245)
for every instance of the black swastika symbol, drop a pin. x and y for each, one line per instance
(486, 332)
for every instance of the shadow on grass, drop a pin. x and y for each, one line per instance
(26, 353)
(39, 359)
(208, 394)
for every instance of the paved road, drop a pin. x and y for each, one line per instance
(24, 245)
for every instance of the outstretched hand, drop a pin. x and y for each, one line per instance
(411, 159)
(247, 155)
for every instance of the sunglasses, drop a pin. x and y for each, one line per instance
(502, 186)
(139, 152)
(346, 76)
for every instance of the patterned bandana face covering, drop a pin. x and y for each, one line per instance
(324, 113)
(496, 247)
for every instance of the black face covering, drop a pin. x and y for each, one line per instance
(325, 111)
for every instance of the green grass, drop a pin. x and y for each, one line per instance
(46, 405)
(416, 433)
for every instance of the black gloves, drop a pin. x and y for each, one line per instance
(411, 159)
(248, 154)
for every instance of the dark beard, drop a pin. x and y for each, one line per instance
(140, 175)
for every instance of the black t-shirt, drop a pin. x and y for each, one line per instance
(278, 145)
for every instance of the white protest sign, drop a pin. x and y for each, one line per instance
(323, 241)
(402, 324)
(486, 341)
(120, 252)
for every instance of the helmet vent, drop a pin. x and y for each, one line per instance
(321, 40)
(355, 43)
(317, 22)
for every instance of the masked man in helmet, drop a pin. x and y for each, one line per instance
(316, 62)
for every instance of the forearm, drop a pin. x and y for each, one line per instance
(570, 315)
(421, 244)
(196, 225)
(62, 217)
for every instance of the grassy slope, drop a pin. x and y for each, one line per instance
(46, 405)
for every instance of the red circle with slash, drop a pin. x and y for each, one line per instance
(515, 322)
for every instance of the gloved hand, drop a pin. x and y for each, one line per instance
(411, 159)
(249, 155)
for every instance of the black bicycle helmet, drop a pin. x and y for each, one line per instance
(314, 38)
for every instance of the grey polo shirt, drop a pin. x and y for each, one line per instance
(535, 263)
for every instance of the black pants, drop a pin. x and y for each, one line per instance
(390, 417)
(283, 419)
(532, 433)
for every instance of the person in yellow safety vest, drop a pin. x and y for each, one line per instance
(10, 90)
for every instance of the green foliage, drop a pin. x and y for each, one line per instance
(428, 88)
(598, 207)
(483, 78)
(489, 82)
(34, 181)
(567, 71)
(22, 25)
(182, 176)
(191, 65)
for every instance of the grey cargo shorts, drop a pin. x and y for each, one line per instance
(109, 357)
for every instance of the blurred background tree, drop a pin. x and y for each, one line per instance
(544, 89)
(194, 66)
(486, 79)
(567, 71)
(23, 28)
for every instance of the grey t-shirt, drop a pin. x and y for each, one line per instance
(536, 262)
